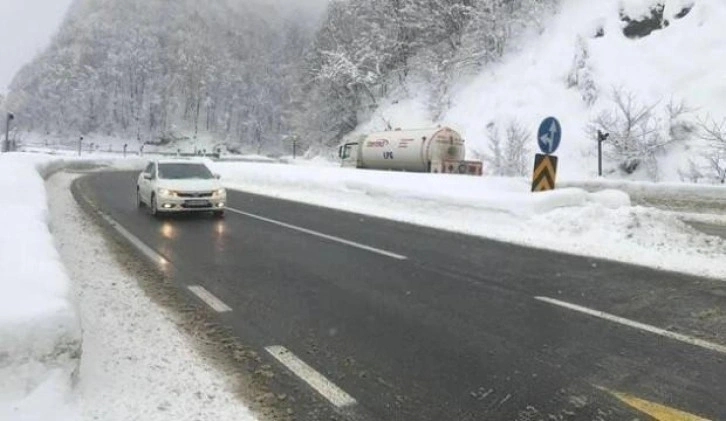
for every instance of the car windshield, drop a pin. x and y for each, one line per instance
(181, 171)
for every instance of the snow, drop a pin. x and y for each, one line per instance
(53, 370)
(40, 334)
(612, 199)
(570, 220)
(683, 61)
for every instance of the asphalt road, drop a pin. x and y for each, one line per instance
(419, 324)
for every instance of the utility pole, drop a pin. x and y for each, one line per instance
(10, 117)
(601, 137)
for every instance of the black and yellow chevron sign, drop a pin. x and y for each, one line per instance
(545, 172)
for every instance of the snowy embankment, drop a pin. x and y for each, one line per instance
(40, 334)
(698, 197)
(571, 69)
(51, 369)
(602, 224)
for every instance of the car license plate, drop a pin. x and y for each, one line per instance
(197, 203)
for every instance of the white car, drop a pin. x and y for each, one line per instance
(168, 186)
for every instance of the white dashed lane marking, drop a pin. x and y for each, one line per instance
(209, 299)
(317, 381)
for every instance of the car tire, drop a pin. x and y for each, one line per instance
(219, 214)
(139, 202)
(153, 206)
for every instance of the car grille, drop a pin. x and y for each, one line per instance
(194, 195)
(200, 204)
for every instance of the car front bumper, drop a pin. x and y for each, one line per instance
(182, 204)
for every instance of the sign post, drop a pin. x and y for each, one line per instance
(601, 137)
(549, 136)
(10, 118)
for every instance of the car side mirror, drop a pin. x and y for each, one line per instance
(217, 176)
(147, 176)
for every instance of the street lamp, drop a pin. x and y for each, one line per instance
(10, 117)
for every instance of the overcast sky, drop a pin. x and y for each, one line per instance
(26, 27)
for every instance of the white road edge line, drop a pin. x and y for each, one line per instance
(637, 325)
(320, 234)
(317, 381)
(215, 303)
(135, 241)
(209, 299)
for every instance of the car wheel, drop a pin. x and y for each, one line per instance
(139, 202)
(152, 205)
(218, 214)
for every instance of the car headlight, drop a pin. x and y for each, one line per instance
(167, 192)
(220, 192)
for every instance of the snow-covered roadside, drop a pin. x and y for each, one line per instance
(129, 361)
(136, 364)
(600, 225)
(40, 333)
(682, 197)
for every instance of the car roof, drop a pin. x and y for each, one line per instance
(179, 161)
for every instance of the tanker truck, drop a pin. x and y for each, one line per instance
(437, 150)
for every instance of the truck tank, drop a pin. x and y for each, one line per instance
(410, 150)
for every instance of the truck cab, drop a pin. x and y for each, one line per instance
(348, 154)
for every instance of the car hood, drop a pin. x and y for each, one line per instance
(191, 185)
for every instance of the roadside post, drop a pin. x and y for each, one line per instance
(294, 147)
(80, 145)
(126, 145)
(549, 136)
(601, 137)
(10, 118)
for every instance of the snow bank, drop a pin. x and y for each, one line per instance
(40, 336)
(601, 224)
(505, 195)
(683, 190)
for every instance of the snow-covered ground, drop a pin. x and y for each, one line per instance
(682, 62)
(602, 224)
(40, 332)
(85, 343)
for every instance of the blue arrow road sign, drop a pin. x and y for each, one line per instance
(549, 135)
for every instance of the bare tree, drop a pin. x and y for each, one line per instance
(638, 133)
(693, 174)
(508, 157)
(714, 133)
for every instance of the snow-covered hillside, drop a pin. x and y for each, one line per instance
(572, 69)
